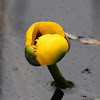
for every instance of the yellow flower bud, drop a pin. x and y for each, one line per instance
(47, 40)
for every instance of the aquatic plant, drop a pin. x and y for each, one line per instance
(46, 44)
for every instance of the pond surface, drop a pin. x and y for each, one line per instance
(21, 81)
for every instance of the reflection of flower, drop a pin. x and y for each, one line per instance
(48, 42)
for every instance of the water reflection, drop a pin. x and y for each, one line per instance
(58, 94)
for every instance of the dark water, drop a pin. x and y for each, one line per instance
(21, 81)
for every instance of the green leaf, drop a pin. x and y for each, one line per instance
(30, 56)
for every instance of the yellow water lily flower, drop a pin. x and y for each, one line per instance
(47, 43)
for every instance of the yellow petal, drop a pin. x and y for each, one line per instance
(29, 34)
(51, 49)
(50, 28)
(41, 28)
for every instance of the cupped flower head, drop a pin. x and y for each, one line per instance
(47, 43)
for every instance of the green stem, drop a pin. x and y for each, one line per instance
(58, 77)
